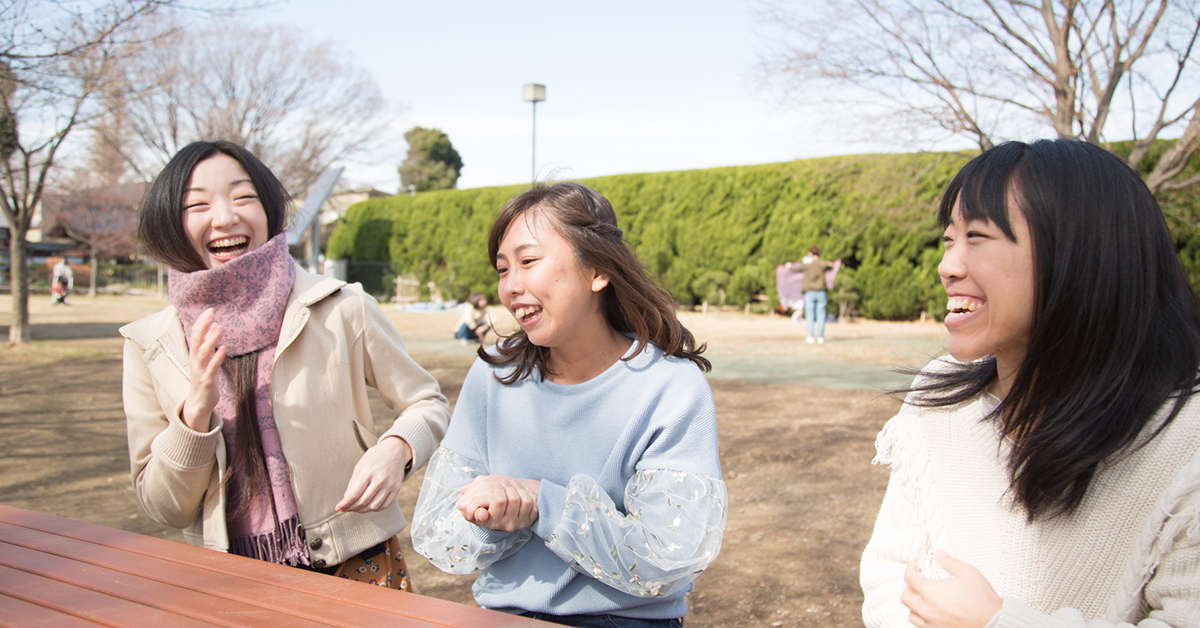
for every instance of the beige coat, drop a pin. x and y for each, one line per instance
(334, 342)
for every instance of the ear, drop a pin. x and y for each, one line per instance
(599, 280)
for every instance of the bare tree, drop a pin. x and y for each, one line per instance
(293, 104)
(103, 219)
(1095, 70)
(52, 55)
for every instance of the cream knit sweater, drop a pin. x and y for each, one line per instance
(1130, 554)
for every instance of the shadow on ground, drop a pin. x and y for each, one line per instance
(69, 331)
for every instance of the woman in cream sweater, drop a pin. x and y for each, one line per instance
(1047, 473)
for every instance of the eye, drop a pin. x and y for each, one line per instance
(198, 205)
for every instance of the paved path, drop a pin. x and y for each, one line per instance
(819, 366)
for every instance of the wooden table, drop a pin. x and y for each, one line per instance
(59, 572)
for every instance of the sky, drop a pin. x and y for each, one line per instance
(630, 86)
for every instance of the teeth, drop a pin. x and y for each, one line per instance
(958, 304)
(226, 242)
(527, 310)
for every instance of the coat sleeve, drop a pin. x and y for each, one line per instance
(171, 465)
(422, 412)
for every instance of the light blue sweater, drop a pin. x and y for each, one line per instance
(631, 506)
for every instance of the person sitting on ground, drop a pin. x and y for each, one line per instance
(474, 324)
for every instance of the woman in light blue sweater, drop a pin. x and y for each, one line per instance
(580, 474)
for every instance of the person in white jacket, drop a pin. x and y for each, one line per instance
(1047, 472)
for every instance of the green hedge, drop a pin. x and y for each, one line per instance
(703, 231)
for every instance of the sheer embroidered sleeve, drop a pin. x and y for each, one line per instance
(439, 531)
(668, 530)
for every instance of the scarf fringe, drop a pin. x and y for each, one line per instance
(285, 546)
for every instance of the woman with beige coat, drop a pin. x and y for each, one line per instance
(248, 418)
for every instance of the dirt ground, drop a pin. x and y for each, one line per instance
(796, 457)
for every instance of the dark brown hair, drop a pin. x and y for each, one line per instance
(633, 302)
(162, 237)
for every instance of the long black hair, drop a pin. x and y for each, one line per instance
(162, 236)
(1116, 325)
(633, 302)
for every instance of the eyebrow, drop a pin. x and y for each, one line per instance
(520, 248)
(231, 183)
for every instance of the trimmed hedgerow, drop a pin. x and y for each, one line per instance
(723, 230)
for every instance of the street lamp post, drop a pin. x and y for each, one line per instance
(535, 94)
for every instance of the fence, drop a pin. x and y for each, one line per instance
(377, 278)
(141, 276)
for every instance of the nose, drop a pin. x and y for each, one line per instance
(953, 265)
(511, 284)
(223, 214)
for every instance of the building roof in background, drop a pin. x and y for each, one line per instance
(102, 217)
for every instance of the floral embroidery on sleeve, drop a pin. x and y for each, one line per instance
(439, 531)
(669, 533)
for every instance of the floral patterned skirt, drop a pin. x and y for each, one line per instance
(384, 568)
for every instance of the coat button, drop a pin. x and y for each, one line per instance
(315, 544)
(319, 563)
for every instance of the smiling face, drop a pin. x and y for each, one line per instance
(989, 284)
(556, 300)
(222, 215)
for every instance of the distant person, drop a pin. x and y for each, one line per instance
(249, 417)
(816, 301)
(1047, 473)
(580, 476)
(474, 324)
(59, 292)
(62, 282)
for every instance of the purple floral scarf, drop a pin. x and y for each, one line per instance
(248, 295)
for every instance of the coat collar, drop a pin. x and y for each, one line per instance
(164, 327)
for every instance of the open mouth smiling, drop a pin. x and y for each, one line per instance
(960, 307)
(227, 248)
(526, 312)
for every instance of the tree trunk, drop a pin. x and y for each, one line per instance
(95, 270)
(18, 332)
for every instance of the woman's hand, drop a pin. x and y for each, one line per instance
(204, 364)
(500, 502)
(377, 476)
(965, 600)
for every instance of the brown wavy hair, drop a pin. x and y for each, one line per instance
(633, 303)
